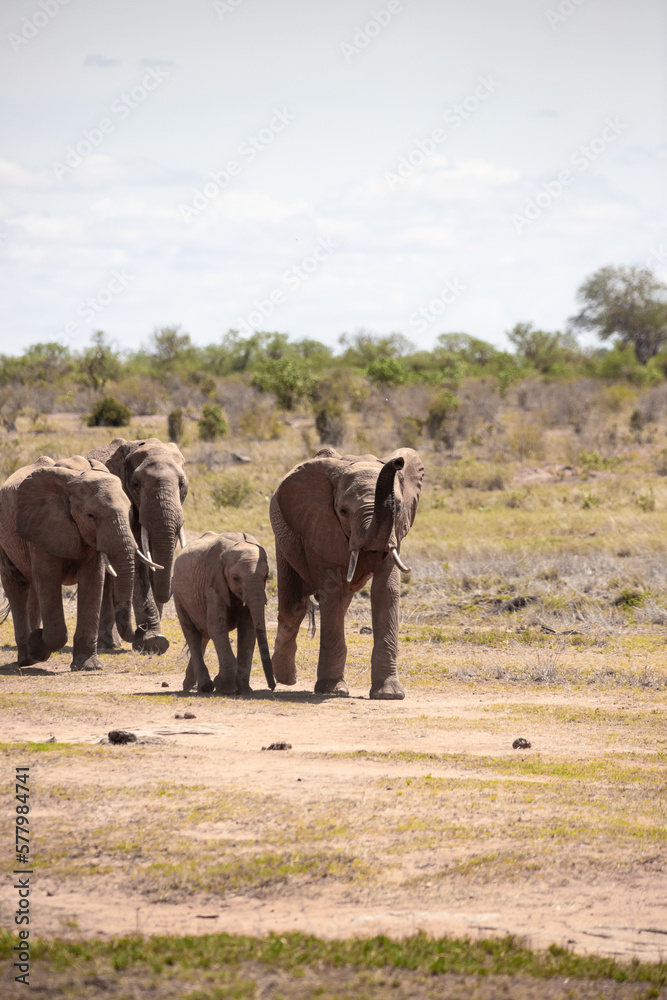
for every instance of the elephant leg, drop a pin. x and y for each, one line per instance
(293, 603)
(218, 629)
(334, 602)
(245, 650)
(90, 586)
(19, 594)
(147, 636)
(196, 671)
(385, 594)
(108, 635)
(47, 587)
(190, 678)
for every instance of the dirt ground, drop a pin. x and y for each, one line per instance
(379, 818)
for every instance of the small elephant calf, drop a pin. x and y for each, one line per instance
(219, 585)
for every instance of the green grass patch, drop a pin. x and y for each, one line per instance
(294, 952)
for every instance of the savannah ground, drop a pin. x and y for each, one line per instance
(382, 818)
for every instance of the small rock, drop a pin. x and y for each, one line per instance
(278, 746)
(366, 630)
(51, 739)
(240, 458)
(121, 736)
(164, 684)
(189, 715)
(521, 744)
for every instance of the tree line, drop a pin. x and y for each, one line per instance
(624, 305)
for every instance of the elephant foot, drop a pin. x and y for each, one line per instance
(284, 673)
(243, 688)
(150, 642)
(106, 645)
(327, 686)
(38, 651)
(389, 690)
(83, 662)
(225, 685)
(24, 659)
(205, 688)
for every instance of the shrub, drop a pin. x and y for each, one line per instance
(289, 379)
(388, 371)
(528, 442)
(212, 424)
(109, 413)
(443, 408)
(260, 422)
(233, 490)
(409, 432)
(330, 423)
(175, 425)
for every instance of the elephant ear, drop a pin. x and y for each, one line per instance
(113, 457)
(43, 514)
(214, 575)
(306, 501)
(410, 477)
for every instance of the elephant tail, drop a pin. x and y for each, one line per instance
(312, 608)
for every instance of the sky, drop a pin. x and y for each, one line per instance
(316, 168)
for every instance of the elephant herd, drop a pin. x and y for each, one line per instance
(109, 522)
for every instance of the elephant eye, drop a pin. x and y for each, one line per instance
(343, 511)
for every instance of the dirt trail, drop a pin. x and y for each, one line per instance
(622, 914)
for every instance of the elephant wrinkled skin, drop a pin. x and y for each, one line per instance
(338, 521)
(219, 585)
(64, 523)
(153, 476)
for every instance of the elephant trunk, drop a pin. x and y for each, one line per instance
(118, 546)
(256, 606)
(162, 530)
(378, 534)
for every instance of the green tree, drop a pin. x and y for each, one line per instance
(171, 349)
(99, 363)
(543, 350)
(628, 303)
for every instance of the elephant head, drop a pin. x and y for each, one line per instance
(352, 510)
(245, 569)
(154, 478)
(72, 508)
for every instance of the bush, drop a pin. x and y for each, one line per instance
(212, 424)
(388, 371)
(109, 413)
(260, 422)
(330, 423)
(175, 425)
(439, 423)
(233, 491)
(409, 432)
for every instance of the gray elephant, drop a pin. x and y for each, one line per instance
(64, 522)
(338, 521)
(219, 585)
(153, 476)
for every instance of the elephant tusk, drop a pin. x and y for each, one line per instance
(397, 559)
(144, 541)
(354, 555)
(149, 562)
(107, 565)
(181, 537)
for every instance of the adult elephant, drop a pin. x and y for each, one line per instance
(153, 476)
(64, 522)
(339, 520)
(219, 585)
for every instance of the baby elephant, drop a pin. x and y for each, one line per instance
(219, 585)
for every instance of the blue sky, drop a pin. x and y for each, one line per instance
(398, 165)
